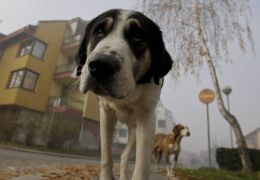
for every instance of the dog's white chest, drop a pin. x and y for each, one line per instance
(172, 148)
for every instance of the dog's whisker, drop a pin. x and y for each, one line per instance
(74, 85)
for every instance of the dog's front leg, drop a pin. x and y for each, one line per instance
(144, 146)
(174, 162)
(167, 159)
(126, 153)
(107, 125)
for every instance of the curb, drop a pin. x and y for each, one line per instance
(64, 155)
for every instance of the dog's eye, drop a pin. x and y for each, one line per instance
(136, 33)
(100, 30)
(136, 37)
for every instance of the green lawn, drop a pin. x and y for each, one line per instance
(213, 174)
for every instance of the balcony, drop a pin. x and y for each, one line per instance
(70, 105)
(71, 44)
(74, 33)
(63, 73)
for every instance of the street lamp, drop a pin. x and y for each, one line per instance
(227, 90)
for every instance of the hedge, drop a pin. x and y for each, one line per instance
(229, 159)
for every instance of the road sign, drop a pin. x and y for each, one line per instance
(206, 96)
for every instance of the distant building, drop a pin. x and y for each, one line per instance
(164, 124)
(164, 119)
(253, 139)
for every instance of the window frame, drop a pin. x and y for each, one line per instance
(34, 40)
(123, 131)
(21, 86)
(2, 52)
(162, 121)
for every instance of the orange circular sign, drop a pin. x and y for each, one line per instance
(206, 96)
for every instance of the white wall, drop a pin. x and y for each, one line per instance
(163, 117)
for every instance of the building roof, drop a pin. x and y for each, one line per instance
(25, 31)
(253, 132)
(2, 36)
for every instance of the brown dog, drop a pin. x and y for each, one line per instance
(169, 144)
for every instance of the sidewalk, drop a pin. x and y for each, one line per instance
(28, 164)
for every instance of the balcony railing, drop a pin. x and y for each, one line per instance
(65, 68)
(72, 39)
(70, 102)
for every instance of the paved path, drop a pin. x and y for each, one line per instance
(21, 158)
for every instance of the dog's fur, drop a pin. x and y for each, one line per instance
(169, 144)
(122, 59)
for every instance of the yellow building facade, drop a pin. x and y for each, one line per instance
(36, 64)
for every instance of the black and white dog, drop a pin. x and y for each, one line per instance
(122, 59)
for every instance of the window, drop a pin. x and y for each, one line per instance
(30, 80)
(38, 49)
(23, 78)
(123, 132)
(34, 47)
(73, 27)
(16, 79)
(26, 48)
(162, 123)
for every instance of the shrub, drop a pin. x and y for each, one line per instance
(31, 131)
(229, 159)
(63, 130)
(9, 125)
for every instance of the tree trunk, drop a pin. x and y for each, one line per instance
(242, 146)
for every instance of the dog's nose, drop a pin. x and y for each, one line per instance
(188, 134)
(102, 66)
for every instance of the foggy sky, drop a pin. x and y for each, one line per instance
(181, 97)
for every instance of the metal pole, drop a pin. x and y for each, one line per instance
(81, 130)
(209, 148)
(231, 134)
(50, 127)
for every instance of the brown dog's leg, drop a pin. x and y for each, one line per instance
(167, 158)
(158, 156)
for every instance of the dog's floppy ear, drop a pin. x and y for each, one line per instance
(82, 52)
(176, 130)
(163, 67)
(161, 59)
(161, 62)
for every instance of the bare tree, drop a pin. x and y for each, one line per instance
(200, 31)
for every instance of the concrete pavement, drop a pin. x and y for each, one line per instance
(19, 158)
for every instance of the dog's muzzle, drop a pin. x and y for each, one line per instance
(103, 71)
(103, 66)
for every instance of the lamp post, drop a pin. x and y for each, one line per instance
(227, 90)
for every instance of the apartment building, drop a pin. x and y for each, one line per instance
(36, 85)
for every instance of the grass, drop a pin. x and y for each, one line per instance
(213, 174)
